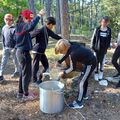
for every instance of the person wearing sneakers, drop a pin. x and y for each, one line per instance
(42, 36)
(25, 23)
(115, 58)
(8, 36)
(100, 42)
(76, 53)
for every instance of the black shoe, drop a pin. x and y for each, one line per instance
(1, 79)
(118, 85)
(117, 75)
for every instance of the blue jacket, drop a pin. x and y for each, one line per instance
(23, 38)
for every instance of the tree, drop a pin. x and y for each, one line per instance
(48, 7)
(31, 4)
(64, 19)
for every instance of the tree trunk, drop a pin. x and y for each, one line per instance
(48, 7)
(64, 19)
(58, 22)
(31, 4)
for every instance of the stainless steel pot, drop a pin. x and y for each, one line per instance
(51, 97)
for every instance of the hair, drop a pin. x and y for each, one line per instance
(61, 45)
(50, 20)
(19, 19)
(106, 18)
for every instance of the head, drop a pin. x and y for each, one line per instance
(27, 15)
(8, 18)
(50, 22)
(62, 46)
(104, 21)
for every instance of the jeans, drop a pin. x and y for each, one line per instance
(6, 55)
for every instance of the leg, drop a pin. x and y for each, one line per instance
(5, 57)
(44, 62)
(36, 60)
(26, 72)
(15, 61)
(115, 58)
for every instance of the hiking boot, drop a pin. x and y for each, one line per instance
(100, 76)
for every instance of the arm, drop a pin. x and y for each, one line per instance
(109, 38)
(53, 35)
(93, 39)
(31, 25)
(72, 67)
(34, 33)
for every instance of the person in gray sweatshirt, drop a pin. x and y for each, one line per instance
(8, 41)
(115, 58)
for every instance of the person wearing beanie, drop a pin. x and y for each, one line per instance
(100, 43)
(42, 37)
(8, 36)
(25, 23)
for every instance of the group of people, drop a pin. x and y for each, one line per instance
(17, 41)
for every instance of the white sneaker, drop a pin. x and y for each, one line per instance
(100, 75)
(96, 76)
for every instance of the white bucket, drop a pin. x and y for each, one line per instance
(51, 97)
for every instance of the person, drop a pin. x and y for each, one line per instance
(42, 36)
(8, 37)
(77, 53)
(25, 23)
(101, 40)
(115, 58)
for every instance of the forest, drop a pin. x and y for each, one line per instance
(82, 16)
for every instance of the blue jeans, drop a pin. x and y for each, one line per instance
(6, 55)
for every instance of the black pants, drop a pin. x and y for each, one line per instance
(115, 58)
(83, 85)
(37, 58)
(100, 56)
(24, 59)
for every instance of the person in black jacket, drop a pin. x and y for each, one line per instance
(100, 43)
(24, 25)
(42, 36)
(77, 53)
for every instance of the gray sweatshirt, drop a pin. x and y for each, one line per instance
(8, 34)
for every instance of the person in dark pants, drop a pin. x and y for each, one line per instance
(77, 53)
(42, 36)
(115, 58)
(24, 25)
(100, 43)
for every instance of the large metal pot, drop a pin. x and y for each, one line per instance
(51, 97)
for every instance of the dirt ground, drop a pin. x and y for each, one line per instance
(103, 103)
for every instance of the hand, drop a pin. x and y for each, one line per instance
(61, 74)
(57, 64)
(42, 12)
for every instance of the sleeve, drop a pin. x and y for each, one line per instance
(109, 38)
(118, 39)
(72, 67)
(3, 38)
(63, 58)
(53, 35)
(93, 39)
(34, 33)
(30, 26)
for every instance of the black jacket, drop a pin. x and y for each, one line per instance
(95, 41)
(78, 53)
(23, 38)
(42, 35)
